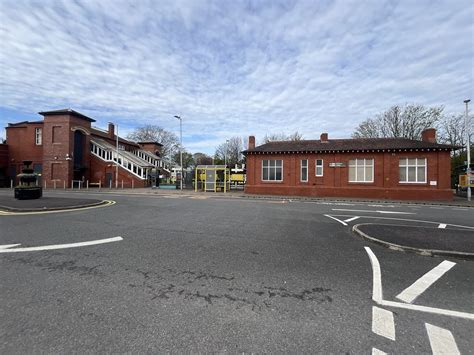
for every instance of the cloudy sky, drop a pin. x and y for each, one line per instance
(231, 67)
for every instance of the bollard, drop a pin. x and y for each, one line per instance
(122, 184)
(11, 184)
(133, 185)
(110, 185)
(87, 184)
(54, 184)
(72, 184)
(100, 184)
(64, 184)
(45, 184)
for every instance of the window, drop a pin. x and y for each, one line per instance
(361, 170)
(272, 170)
(412, 170)
(38, 136)
(304, 170)
(319, 167)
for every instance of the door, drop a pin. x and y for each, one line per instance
(108, 179)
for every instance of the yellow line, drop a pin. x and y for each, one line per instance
(6, 213)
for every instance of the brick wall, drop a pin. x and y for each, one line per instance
(100, 169)
(335, 180)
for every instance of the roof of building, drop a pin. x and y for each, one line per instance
(151, 142)
(66, 111)
(347, 145)
(105, 134)
(23, 123)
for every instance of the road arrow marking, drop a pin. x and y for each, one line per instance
(441, 340)
(371, 211)
(421, 285)
(6, 248)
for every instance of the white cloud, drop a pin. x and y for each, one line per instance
(234, 68)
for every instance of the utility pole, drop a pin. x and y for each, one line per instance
(468, 168)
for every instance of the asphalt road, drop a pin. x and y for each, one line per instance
(202, 274)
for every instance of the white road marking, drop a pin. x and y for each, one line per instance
(371, 211)
(442, 225)
(334, 218)
(351, 219)
(386, 206)
(377, 294)
(383, 323)
(441, 340)
(6, 248)
(407, 220)
(421, 285)
(376, 351)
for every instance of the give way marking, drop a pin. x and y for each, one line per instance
(8, 248)
(441, 340)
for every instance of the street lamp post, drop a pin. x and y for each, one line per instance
(468, 168)
(225, 165)
(180, 148)
(116, 158)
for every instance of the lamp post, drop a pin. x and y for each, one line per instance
(225, 164)
(468, 168)
(116, 161)
(180, 148)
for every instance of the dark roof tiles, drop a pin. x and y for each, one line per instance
(356, 144)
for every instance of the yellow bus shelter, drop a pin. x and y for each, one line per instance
(211, 178)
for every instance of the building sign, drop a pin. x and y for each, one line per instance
(337, 165)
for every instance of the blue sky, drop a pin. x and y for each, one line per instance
(233, 67)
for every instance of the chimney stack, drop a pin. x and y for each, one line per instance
(251, 143)
(324, 138)
(429, 135)
(111, 130)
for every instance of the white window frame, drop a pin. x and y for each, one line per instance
(361, 162)
(268, 167)
(38, 136)
(301, 170)
(416, 166)
(319, 166)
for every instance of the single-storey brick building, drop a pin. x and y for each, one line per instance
(382, 168)
(64, 147)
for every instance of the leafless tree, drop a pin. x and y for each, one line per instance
(452, 130)
(296, 136)
(230, 152)
(153, 133)
(202, 159)
(400, 121)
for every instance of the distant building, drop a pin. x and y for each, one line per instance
(381, 168)
(64, 147)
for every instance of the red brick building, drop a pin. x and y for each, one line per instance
(382, 168)
(64, 147)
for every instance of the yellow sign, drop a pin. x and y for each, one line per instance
(463, 181)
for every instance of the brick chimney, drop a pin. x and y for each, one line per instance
(111, 130)
(251, 143)
(429, 135)
(324, 138)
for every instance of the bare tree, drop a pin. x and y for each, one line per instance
(202, 159)
(153, 133)
(400, 121)
(296, 136)
(229, 151)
